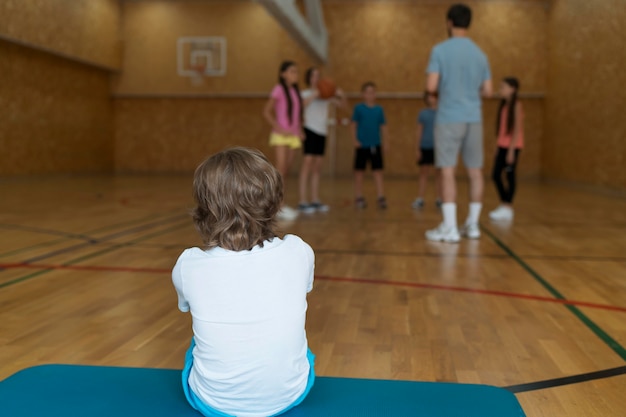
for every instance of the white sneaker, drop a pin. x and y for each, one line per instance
(471, 231)
(443, 234)
(320, 207)
(501, 213)
(287, 213)
(306, 208)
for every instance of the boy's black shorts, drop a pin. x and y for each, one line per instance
(372, 154)
(428, 157)
(314, 143)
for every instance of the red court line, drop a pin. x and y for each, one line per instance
(337, 279)
(472, 290)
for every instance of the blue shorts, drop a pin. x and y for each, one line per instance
(207, 411)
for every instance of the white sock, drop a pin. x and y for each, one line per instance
(449, 215)
(474, 213)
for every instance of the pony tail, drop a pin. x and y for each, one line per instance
(510, 120)
(289, 102)
(283, 67)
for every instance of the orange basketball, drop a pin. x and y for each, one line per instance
(326, 88)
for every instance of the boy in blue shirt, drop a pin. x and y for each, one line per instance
(425, 149)
(369, 132)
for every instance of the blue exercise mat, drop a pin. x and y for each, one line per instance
(93, 391)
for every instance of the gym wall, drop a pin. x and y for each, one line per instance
(585, 138)
(58, 105)
(56, 61)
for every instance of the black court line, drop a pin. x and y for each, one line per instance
(570, 224)
(88, 233)
(568, 380)
(169, 246)
(576, 258)
(95, 254)
(126, 232)
(174, 227)
(88, 238)
(409, 254)
(51, 232)
(470, 255)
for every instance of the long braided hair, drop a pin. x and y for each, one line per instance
(510, 120)
(283, 67)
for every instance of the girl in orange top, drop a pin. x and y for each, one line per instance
(510, 130)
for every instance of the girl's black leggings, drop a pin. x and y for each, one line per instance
(500, 167)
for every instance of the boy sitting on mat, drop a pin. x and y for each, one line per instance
(246, 291)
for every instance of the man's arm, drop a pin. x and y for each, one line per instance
(432, 82)
(486, 89)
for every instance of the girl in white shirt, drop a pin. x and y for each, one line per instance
(315, 132)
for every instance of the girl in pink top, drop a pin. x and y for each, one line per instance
(510, 142)
(283, 111)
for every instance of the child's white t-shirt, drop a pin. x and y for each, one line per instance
(248, 311)
(316, 114)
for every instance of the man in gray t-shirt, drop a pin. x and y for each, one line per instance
(459, 71)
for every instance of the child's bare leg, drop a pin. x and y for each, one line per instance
(448, 185)
(291, 154)
(305, 172)
(423, 179)
(358, 183)
(282, 160)
(378, 180)
(315, 177)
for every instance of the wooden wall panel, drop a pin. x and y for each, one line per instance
(585, 126)
(85, 30)
(57, 116)
(175, 135)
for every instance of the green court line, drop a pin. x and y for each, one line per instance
(604, 336)
(24, 278)
(97, 253)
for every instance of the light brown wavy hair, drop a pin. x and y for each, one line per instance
(238, 193)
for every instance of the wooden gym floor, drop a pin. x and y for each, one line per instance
(85, 279)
